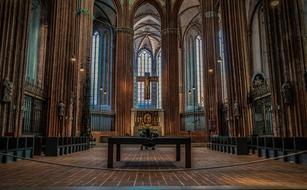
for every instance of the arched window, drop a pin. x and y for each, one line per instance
(200, 72)
(221, 59)
(144, 68)
(33, 42)
(159, 74)
(259, 43)
(101, 67)
(194, 74)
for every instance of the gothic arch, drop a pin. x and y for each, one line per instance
(155, 3)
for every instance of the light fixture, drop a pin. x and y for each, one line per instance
(210, 70)
(73, 59)
(219, 60)
(274, 3)
(101, 89)
(190, 92)
(105, 92)
(81, 68)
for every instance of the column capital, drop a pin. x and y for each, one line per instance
(125, 30)
(169, 31)
(211, 14)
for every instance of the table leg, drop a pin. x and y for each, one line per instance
(188, 155)
(110, 155)
(117, 152)
(177, 152)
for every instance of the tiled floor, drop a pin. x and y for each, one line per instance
(268, 174)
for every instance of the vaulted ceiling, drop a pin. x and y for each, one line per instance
(189, 13)
(105, 10)
(147, 28)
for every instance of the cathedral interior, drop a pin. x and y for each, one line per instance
(216, 71)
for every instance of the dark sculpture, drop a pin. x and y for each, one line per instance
(287, 93)
(7, 91)
(236, 109)
(149, 135)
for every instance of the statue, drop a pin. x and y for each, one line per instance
(7, 91)
(61, 110)
(236, 109)
(287, 93)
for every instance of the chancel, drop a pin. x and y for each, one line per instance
(147, 79)
(206, 94)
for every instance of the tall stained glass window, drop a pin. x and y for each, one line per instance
(101, 75)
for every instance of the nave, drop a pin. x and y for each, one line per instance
(269, 174)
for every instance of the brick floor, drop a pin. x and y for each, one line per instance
(269, 174)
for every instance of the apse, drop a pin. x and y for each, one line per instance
(147, 58)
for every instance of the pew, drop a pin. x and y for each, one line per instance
(21, 147)
(266, 147)
(56, 146)
(233, 145)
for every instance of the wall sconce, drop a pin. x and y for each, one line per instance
(210, 70)
(189, 92)
(81, 68)
(274, 3)
(105, 92)
(73, 59)
(219, 60)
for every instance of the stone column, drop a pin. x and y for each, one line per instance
(236, 40)
(70, 35)
(124, 73)
(13, 36)
(288, 64)
(209, 29)
(170, 72)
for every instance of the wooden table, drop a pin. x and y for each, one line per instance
(141, 140)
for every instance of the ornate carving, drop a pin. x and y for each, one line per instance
(147, 118)
(236, 109)
(287, 93)
(259, 87)
(7, 91)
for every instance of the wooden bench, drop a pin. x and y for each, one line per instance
(118, 141)
(21, 147)
(233, 145)
(269, 147)
(56, 146)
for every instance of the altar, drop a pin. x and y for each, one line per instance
(153, 118)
